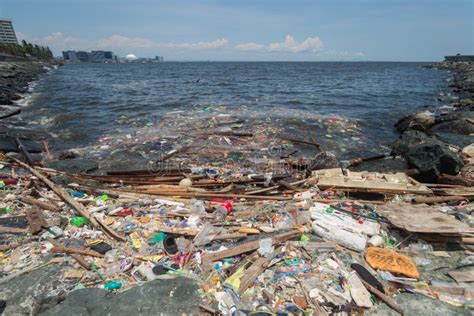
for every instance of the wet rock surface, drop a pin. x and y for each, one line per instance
(170, 297)
(14, 79)
(73, 165)
(28, 293)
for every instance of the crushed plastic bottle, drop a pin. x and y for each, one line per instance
(79, 221)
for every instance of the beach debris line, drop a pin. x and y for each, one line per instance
(293, 242)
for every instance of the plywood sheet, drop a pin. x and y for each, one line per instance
(422, 218)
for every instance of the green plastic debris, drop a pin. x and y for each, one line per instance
(304, 238)
(112, 285)
(6, 210)
(157, 238)
(79, 221)
(104, 197)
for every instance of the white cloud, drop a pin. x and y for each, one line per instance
(250, 46)
(310, 44)
(123, 41)
(219, 43)
(119, 41)
(57, 41)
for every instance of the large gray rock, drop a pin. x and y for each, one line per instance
(432, 160)
(419, 121)
(461, 126)
(28, 293)
(427, 154)
(410, 139)
(159, 297)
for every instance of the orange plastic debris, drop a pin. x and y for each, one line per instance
(389, 260)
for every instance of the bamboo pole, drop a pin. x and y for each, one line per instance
(68, 199)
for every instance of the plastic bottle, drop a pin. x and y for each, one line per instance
(79, 221)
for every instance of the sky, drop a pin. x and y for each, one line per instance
(244, 30)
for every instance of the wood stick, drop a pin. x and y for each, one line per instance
(263, 190)
(387, 300)
(82, 262)
(67, 198)
(23, 151)
(44, 205)
(252, 273)
(299, 141)
(61, 249)
(248, 246)
(437, 199)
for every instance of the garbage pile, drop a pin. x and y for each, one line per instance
(328, 242)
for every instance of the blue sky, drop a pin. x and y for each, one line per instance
(250, 30)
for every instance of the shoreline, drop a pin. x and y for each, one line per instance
(416, 128)
(145, 238)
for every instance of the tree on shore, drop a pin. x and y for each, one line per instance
(27, 50)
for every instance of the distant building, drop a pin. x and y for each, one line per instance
(70, 55)
(98, 56)
(459, 57)
(83, 56)
(7, 33)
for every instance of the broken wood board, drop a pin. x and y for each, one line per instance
(247, 247)
(374, 182)
(422, 218)
(462, 276)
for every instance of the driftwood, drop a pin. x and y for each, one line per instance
(387, 300)
(247, 247)
(437, 199)
(252, 273)
(456, 180)
(67, 198)
(299, 141)
(24, 151)
(82, 262)
(86, 252)
(44, 205)
(35, 220)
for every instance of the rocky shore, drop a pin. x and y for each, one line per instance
(15, 80)
(437, 145)
(15, 77)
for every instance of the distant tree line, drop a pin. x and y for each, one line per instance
(27, 50)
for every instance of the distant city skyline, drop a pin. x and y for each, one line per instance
(299, 30)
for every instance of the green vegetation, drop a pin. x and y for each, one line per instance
(26, 50)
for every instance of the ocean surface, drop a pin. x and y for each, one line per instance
(348, 108)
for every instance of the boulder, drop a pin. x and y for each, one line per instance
(177, 296)
(429, 155)
(419, 121)
(432, 160)
(464, 126)
(409, 139)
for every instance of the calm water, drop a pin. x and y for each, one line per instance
(347, 107)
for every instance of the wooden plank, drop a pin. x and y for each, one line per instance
(252, 273)
(422, 218)
(44, 205)
(248, 246)
(462, 276)
(35, 220)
